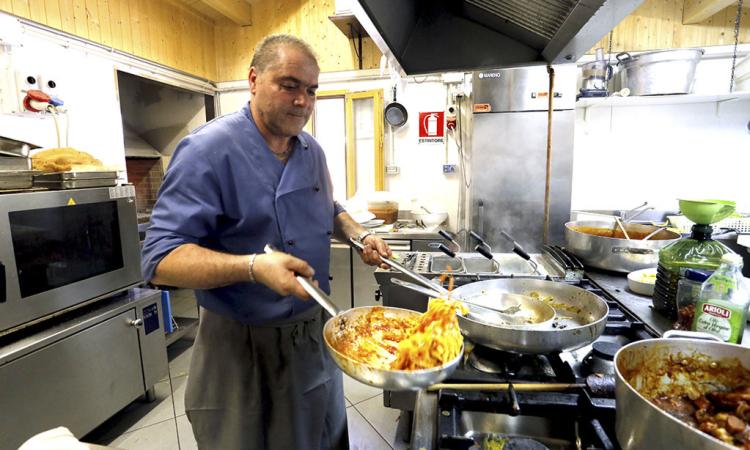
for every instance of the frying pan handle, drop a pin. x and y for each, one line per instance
(690, 335)
(315, 292)
(443, 248)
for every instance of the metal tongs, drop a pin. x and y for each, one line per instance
(539, 311)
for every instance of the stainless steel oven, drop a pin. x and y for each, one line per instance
(59, 249)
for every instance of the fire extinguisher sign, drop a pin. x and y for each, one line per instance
(431, 127)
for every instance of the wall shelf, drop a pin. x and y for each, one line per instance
(647, 100)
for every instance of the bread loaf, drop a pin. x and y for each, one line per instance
(64, 160)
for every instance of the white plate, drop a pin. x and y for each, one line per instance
(362, 216)
(642, 281)
(373, 223)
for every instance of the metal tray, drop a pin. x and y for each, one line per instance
(65, 176)
(14, 163)
(442, 264)
(76, 184)
(16, 179)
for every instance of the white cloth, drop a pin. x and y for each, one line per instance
(59, 438)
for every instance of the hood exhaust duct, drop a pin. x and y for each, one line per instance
(428, 36)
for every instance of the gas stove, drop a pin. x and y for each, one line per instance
(575, 408)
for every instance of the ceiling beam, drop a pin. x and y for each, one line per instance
(696, 11)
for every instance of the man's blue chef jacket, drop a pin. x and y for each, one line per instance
(224, 190)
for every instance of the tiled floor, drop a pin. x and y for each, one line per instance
(162, 424)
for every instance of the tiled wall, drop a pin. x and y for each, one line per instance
(146, 175)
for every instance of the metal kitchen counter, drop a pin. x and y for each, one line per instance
(639, 305)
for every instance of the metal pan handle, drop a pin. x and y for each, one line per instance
(633, 251)
(314, 291)
(670, 334)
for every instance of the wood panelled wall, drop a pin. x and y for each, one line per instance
(657, 24)
(307, 19)
(158, 30)
(172, 34)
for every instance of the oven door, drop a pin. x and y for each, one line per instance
(59, 249)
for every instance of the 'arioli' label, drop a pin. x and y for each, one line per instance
(720, 318)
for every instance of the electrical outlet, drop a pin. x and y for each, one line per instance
(392, 170)
(449, 168)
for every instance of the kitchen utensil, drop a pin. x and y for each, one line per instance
(594, 76)
(642, 425)
(706, 212)
(393, 264)
(622, 227)
(396, 380)
(653, 233)
(395, 113)
(506, 308)
(658, 73)
(615, 254)
(449, 237)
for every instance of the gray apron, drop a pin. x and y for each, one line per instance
(265, 387)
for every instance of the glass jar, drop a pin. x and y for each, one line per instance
(688, 292)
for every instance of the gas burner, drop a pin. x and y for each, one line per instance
(485, 363)
(514, 366)
(506, 442)
(601, 358)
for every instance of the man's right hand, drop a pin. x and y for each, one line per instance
(278, 270)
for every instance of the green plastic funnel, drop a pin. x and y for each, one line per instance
(706, 212)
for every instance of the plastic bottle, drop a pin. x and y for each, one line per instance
(722, 307)
(688, 293)
(698, 251)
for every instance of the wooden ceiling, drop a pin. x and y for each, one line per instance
(238, 12)
(696, 11)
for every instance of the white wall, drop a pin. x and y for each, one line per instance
(85, 82)
(421, 178)
(85, 73)
(630, 154)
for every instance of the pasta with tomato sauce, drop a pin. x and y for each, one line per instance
(387, 341)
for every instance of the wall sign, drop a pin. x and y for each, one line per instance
(432, 127)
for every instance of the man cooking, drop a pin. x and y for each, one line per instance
(260, 376)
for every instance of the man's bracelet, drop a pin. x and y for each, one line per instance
(362, 236)
(251, 263)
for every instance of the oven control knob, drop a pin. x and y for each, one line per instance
(137, 323)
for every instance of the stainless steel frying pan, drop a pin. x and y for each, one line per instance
(337, 327)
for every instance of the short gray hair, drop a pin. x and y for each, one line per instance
(266, 52)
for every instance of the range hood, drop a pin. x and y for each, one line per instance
(429, 36)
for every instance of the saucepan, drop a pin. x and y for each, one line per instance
(602, 244)
(674, 374)
(338, 327)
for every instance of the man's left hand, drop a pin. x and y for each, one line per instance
(375, 247)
